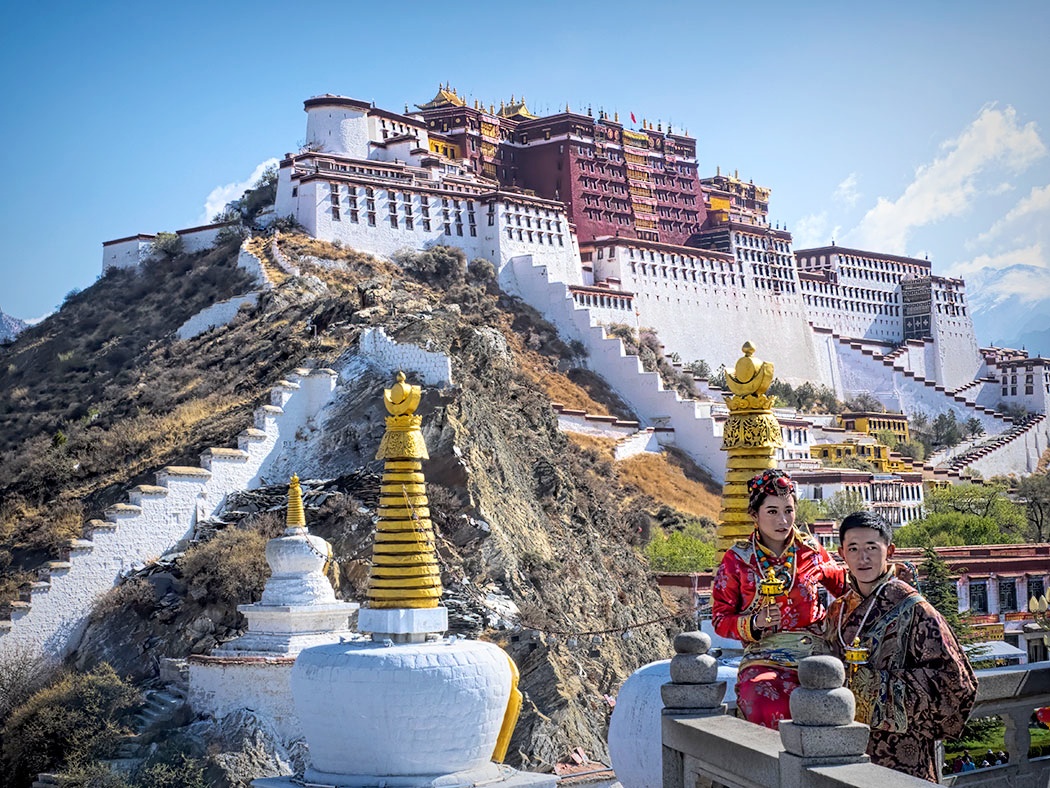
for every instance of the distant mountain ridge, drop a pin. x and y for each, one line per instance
(1004, 317)
(10, 327)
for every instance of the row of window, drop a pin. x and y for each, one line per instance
(1008, 602)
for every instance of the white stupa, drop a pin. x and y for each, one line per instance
(407, 707)
(298, 609)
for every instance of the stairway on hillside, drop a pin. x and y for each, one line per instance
(952, 398)
(688, 424)
(156, 518)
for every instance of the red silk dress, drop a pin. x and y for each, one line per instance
(769, 670)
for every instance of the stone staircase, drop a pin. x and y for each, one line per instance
(157, 518)
(630, 439)
(952, 398)
(997, 442)
(691, 425)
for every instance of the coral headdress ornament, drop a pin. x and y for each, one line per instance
(771, 482)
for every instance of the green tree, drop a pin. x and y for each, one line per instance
(888, 438)
(938, 586)
(912, 449)
(807, 512)
(952, 528)
(699, 368)
(984, 500)
(167, 244)
(842, 504)
(1034, 493)
(679, 552)
(973, 427)
(946, 430)
(865, 402)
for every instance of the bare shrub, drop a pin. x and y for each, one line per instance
(76, 719)
(23, 671)
(133, 594)
(230, 568)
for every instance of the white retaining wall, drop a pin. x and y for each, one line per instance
(433, 369)
(642, 442)
(158, 517)
(219, 687)
(197, 239)
(1020, 456)
(126, 252)
(219, 314)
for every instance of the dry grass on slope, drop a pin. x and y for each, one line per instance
(669, 478)
(672, 479)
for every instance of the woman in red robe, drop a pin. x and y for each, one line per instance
(775, 636)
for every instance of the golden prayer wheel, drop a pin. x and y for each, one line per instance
(856, 655)
(770, 588)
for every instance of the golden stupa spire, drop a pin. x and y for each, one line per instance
(296, 517)
(405, 572)
(751, 437)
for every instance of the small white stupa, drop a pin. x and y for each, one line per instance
(298, 609)
(409, 707)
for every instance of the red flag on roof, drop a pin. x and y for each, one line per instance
(632, 118)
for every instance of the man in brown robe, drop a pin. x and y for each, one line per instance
(915, 685)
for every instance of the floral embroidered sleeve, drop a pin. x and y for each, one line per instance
(728, 614)
(834, 574)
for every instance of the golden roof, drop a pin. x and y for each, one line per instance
(446, 97)
(515, 110)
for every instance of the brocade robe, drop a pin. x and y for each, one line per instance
(917, 685)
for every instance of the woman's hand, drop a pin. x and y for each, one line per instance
(767, 618)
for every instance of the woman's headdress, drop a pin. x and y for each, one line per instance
(771, 482)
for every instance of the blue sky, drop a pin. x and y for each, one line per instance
(912, 128)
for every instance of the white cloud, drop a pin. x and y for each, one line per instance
(813, 231)
(1036, 202)
(847, 190)
(948, 185)
(221, 195)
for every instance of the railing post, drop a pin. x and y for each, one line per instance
(821, 730)
(694, 691)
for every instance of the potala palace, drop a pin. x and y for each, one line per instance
(594, 223)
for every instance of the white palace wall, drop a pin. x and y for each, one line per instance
(712, 320)
(506, 237)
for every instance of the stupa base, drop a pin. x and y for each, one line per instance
(494, 775)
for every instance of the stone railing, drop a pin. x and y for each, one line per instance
(821, 745)
(1011, 693)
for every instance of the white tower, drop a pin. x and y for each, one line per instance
(337, 124)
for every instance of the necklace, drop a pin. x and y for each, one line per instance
(763, 563)
(864, 619)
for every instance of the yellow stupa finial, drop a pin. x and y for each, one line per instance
(296, 517)
(405, 572)
(751, 436)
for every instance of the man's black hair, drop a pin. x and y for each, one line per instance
(866, 519)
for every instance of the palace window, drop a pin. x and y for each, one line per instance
(1007, 596)
(978, 597)
(1035, 587)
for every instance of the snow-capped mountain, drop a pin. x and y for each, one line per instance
(10, 327)
(1011, 307)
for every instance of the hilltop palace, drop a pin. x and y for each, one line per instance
(594, 223)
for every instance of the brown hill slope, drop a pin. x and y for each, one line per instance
(551, 522)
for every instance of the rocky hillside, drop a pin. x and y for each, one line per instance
(540, 536)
